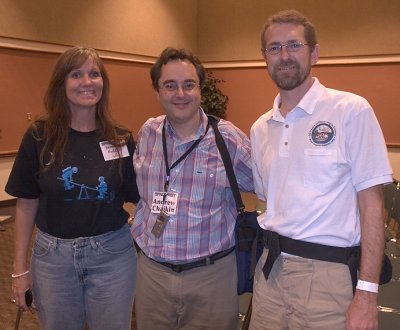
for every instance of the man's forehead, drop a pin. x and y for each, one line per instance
(284, 32)
(178, 61)
(178, 66)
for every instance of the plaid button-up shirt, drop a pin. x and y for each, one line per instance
(206, 211)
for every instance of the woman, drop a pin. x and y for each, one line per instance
(71, 176)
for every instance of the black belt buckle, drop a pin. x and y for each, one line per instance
(271, 241)
(178, 268)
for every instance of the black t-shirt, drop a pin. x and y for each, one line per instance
(84, 195)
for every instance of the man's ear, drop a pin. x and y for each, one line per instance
(315, 54)
(264, 55)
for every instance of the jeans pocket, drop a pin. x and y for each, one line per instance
(40, 248)
(116, 245)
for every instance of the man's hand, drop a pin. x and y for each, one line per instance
(362, 313)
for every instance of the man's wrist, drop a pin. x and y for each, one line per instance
(367, 286)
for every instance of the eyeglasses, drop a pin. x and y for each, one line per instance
(291, 47)
(172, 86)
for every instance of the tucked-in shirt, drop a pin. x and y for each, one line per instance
(206, 211)
(310, 165)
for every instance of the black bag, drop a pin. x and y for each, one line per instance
(248, 249)
(354, 261)
(248, 234)
(387, 270)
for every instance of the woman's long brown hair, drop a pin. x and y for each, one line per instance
(57, 118)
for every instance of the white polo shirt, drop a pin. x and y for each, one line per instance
(310, 165)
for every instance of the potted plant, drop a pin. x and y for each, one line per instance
(213, 101)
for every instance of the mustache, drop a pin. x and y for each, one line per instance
(288, 62)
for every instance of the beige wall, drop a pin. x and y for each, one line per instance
(229, 30)
(5, 168)
(142, 27)
(217, 30)
(394, 157)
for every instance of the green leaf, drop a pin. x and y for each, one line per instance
(213, 101)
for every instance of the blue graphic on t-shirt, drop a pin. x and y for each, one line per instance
(67, 177)
(101, 189)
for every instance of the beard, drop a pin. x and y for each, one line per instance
(289, 81)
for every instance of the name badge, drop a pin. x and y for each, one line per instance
(168, 205)
(161, 223)
(110, 152)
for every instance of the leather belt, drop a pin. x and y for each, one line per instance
(178, 268)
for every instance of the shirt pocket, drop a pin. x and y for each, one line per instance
(209, 177)
(320, 169)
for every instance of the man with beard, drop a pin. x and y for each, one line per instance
(319, 160)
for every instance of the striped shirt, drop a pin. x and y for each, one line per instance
(206, 211)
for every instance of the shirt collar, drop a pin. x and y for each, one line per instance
(307, 103)
(200, 131)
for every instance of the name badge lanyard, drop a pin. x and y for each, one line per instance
(165, 152)
(163, 217)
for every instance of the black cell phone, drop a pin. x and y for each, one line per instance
(28, 298)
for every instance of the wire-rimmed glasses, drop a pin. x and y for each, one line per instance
(291, 47)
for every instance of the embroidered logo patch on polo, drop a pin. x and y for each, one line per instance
(322, 133)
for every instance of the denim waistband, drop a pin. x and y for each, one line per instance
(80, 241)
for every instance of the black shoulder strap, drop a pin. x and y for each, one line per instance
(223, 150)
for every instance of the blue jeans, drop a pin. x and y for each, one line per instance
(88, 279)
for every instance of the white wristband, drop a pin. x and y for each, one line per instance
(367, 286)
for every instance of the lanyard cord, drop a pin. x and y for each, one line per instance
(165, 152)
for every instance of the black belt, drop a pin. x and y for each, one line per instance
(198, 263)
(276, 244)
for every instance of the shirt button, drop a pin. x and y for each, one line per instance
(287, 126)
(286, 143)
